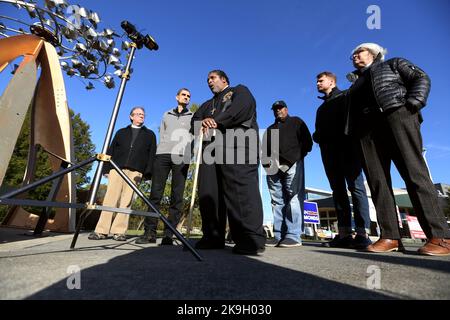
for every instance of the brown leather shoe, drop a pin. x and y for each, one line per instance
(436, 247)
(385, 245)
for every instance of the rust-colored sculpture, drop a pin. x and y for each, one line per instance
(50, 121)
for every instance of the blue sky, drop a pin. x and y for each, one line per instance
(276, 48)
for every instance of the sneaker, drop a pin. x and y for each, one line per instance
(146, 239)
(120, 237)
(97, 236)
(272, 242)
(337, 242)
(247, 251)
(361, 242)
(289, 243)
(167, 241)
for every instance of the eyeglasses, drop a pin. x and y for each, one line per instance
(357, 52)
(138, 114)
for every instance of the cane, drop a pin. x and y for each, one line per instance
(194, 187)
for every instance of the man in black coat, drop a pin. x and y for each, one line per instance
(341, 157)
(133, 150)
(283, 158)
(228, 181)
(386, 98)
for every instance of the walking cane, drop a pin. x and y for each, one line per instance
(194, 187)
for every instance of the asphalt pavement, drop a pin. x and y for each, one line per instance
(46, 268)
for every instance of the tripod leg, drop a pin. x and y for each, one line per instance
(46, 179)
(162, 217)
(51, 197)
(83, 216)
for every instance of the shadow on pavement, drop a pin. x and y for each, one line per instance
(171, 273)
(425, 262)
(11, 235)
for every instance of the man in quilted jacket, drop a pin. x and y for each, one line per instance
(385, 102)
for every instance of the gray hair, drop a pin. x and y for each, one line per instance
(132, 110)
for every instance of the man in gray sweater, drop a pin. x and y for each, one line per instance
(172, 155)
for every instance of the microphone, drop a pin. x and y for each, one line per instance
(138, 38)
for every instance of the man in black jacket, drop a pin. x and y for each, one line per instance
(283, 159)
(386, 98)
(133, 150)
(228, 181)
(341, 160)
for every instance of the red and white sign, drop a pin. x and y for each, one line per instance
(399, 218)
(414, 228)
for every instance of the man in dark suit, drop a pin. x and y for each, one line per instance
(228, 183)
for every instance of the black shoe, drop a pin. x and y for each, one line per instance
(167, 241)
(272, 242)
(146, 239)
(361, 242)
(247, 251)
(228, 238)
(206, 244)
(337, 242)
(97, 236)
(120, 237)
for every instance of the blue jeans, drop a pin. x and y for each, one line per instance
(341, 160)
(287, 190)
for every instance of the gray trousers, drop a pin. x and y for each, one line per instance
(394, 136)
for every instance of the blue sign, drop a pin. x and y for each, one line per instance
(311, 213)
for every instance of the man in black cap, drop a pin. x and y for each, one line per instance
(285, 144)
(228, 186)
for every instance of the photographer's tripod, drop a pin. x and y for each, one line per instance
(138, 42)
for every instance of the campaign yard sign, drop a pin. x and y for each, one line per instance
(311, 213)
(414, 228)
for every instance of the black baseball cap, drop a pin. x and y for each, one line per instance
(279, 103)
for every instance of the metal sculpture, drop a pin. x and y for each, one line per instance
(27, 70)
(59, 37)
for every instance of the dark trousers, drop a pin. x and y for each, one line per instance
(242, 199)
(394, 136)
(211, 202)
(162, 166)
(231, 190)
(342, 163)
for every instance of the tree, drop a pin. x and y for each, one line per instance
(194, 107)
(83, 149)
(145, 187)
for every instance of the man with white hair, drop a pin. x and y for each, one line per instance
(385, 102)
